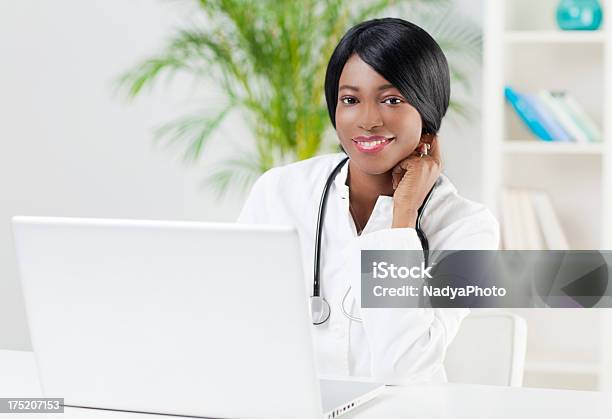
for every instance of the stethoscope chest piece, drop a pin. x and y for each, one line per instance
(319, 310)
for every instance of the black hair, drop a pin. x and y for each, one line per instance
(404, 54)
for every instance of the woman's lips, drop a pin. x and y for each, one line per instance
(371, 144)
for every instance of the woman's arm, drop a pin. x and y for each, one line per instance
(409, 344)
(256, 208)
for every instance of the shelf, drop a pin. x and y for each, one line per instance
(523, 47)
(522, 37)
(586, 368)
(534, 146)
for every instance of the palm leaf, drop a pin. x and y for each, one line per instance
(148, 71)
(240, 172)
(461, 111)
(269, 57)
(194, 130)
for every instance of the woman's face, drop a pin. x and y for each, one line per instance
(371, 110)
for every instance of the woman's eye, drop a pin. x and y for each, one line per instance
(394, 100)
(348, 100)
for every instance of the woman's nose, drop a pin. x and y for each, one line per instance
(370, 126)
(370, 119)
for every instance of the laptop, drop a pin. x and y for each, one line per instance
(179, 318)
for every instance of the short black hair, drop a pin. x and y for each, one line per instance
(404, 54)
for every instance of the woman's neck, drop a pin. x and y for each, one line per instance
(366, 188)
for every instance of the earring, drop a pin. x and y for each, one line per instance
(425, 150)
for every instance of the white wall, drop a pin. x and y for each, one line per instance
(69, 147)
(461, 140)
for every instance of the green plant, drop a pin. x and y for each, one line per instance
(269, 58)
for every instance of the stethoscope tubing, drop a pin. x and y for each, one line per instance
(320, 309)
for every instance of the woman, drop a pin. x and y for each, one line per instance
(387, 89)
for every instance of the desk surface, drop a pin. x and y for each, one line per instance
(18, 379)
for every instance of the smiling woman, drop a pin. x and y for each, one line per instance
(387, 90)
(399, 62)
(368, 103)
(387, 78)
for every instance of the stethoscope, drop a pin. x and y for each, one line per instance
(319, 307)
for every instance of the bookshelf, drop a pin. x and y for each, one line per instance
(524, 48)
(530, 146)
(532, 55)
(521, 37)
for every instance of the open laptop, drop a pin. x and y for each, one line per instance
(181, 318)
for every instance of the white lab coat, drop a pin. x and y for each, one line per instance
(393, 345)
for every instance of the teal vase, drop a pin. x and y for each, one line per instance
(579, 15)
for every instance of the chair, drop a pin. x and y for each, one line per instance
(488, 349)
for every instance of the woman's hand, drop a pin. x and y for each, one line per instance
(413, 178)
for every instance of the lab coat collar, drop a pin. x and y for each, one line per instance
(340, 181)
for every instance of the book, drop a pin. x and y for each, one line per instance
(553, 234)
(508, 235)
(516, 223)
(529, 222)
(564, 118)
(547, 119)
(580, 116)
(527, 113)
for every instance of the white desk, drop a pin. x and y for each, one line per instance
(18, 379)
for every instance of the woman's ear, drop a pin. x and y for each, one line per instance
(427, 138)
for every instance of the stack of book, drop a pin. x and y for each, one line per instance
(529, 221)
(554, 116)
